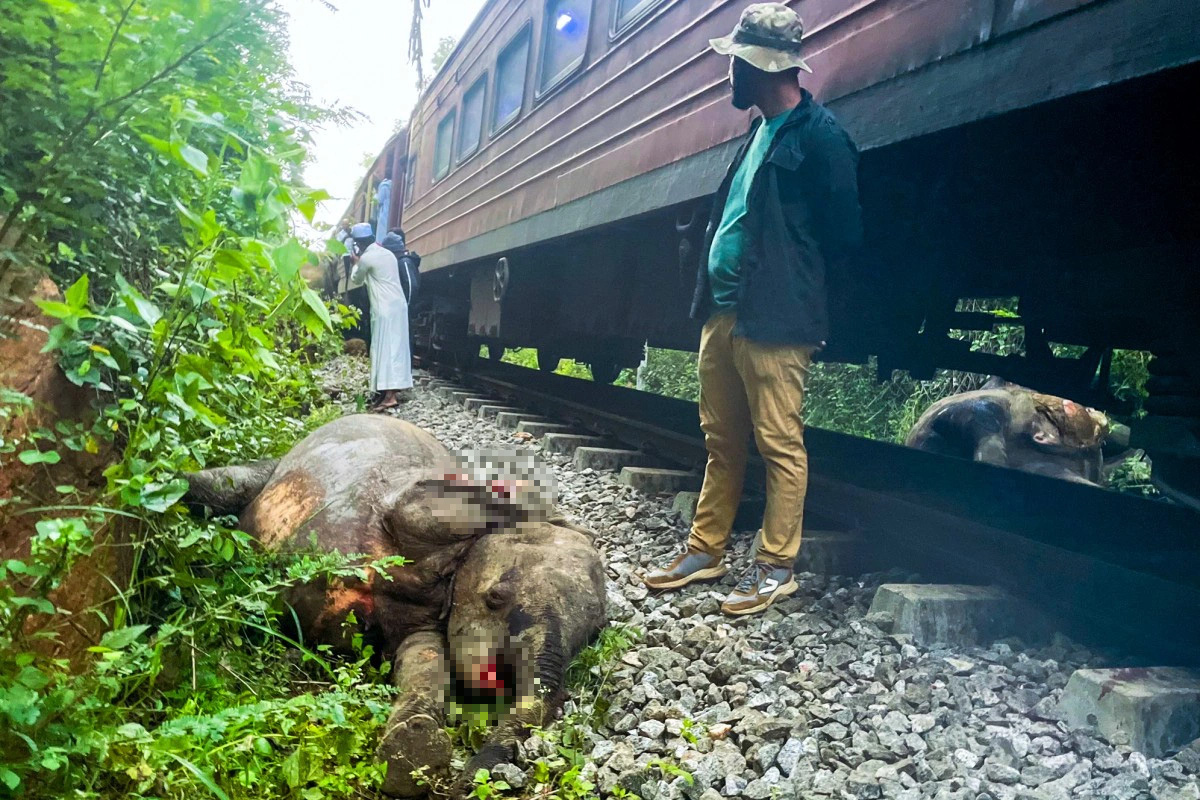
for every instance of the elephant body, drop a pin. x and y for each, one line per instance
(487, 559)
(1011, 426)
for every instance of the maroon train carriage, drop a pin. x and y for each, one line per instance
(560, 166)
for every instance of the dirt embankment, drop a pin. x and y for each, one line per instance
(25, 369)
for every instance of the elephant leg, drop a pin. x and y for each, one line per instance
(415, 737)
(228, 490)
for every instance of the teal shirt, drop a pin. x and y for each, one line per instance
(725, 257)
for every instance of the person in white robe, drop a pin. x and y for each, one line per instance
(391, 361)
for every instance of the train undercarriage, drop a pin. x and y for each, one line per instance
(1084, 208)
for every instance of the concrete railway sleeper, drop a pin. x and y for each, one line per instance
(872, 681)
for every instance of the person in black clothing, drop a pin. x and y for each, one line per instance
(410, 263)
(786, 221)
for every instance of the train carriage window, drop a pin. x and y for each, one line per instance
(511, 67)
(410, 177)
(442, 147)
(628, 12)
(471, 129)
(564, 41)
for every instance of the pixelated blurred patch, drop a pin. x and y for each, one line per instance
(509, 469)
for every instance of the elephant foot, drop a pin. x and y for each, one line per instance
(416, 742)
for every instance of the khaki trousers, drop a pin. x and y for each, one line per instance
(747, 387)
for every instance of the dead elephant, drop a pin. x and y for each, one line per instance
(506, 611)
(1011, 426)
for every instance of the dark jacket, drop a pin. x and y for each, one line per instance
(409, 263)
(803, 220)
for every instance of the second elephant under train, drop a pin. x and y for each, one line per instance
(1012, 426)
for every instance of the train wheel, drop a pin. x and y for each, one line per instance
(604, 371)
(548, 360)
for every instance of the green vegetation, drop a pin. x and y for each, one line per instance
(150, 160)
(848, 398)
(445, 47)
(527, 357)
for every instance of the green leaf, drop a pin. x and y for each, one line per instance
(123, 637)
(39, 604)
(131, 730)
(143, 308)
(55, 309)
(77, 295)
(195, 158)
(161, 496)
(201, 776)
(256, 173)
(308, 204)
(161, 145)
(287, 259)
(314, 302)
(121, 322)
(291, 769)
(39, 457)
(32, 678)
(9, 778)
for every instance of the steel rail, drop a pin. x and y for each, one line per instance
(1110, 569)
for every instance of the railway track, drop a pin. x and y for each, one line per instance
(1111, 570)
(827, 694)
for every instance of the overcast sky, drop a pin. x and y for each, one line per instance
(358, 56)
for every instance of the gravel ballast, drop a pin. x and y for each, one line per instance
(809, 699)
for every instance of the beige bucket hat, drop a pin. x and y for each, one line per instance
(768, 36)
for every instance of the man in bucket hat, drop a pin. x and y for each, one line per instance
(786, 215)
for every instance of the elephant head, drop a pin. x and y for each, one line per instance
(524, 605)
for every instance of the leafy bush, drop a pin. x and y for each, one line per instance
(150, 157)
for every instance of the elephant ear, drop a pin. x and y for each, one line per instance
(1046, 434)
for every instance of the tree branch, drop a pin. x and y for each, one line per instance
(174, 65)
(416, 50)
(112, 42)
(43, 171)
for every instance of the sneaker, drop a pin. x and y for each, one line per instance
(762, 585)
(688, 567)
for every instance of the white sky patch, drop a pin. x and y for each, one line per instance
(357, 56)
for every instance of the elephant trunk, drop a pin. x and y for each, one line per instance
(538, 693)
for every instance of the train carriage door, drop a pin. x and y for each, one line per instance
(410, 180)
